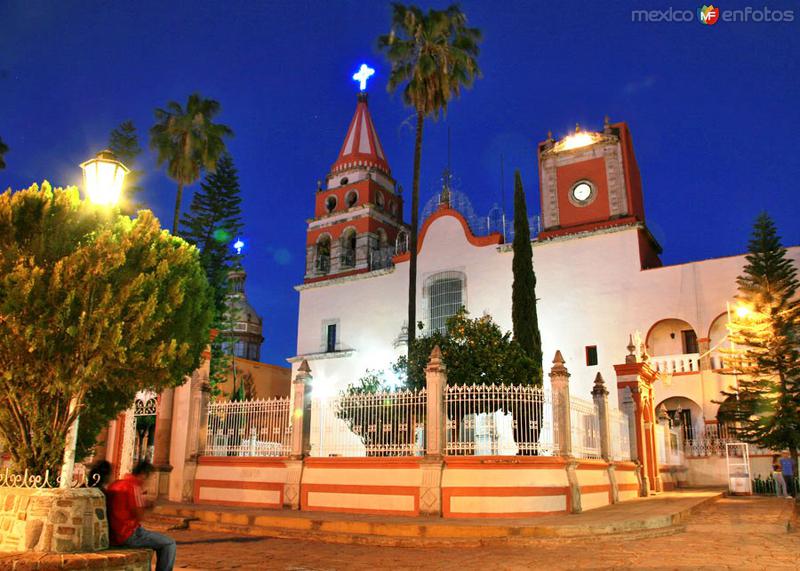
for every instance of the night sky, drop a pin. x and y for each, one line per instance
(714, 110)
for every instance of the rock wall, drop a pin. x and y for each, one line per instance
(52, 520)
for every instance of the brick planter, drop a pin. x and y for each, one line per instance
(119, 560)
(52, 520)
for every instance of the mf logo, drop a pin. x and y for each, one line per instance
(708, 15)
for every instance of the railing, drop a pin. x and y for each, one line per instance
(249, 428)
(620, 435)
(390, 423)
(487, 420)
(584, 421)
(348, 259)
(670, 364)
(323, 264)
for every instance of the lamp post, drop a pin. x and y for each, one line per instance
(102, 182)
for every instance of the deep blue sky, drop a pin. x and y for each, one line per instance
(714, 110)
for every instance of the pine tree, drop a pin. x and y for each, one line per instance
(766, 406)
(523, 293)
(212, 224)
(124, 143)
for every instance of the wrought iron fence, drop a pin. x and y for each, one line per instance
(493, 419)
(249, 428)
(585, 425)
(620, 435)
(387, 423)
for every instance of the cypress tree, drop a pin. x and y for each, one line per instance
(124, 142)
(212, 224)
(766, 406)
(523, 292)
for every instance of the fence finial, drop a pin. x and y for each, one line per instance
(304, 368)
(631, 356)
(599, 388)
(558, 368)
(435, 362)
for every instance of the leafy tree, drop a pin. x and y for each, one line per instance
(475, 351)
(3, 151)
(523, 293)
(212, 223)
(124, 143)
(188, 141)
(766, 406)
(93, 306)
(433, 55)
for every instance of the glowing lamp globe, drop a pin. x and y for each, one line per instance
(103, 177)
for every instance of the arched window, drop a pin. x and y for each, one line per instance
(330, 203)
(351, 198)
(443, 295)
(379, 200)
(349, 248)
(323, 255)
(401, 244)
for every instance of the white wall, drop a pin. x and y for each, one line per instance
(591, 291)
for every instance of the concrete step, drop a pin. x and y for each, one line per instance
(165, 522)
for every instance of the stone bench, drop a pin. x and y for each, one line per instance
(116, 559)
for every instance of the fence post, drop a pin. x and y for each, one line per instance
(435, 382)
(301, 412)
(559, 384)
(562, 428)
(600, 397)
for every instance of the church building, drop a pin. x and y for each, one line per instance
(601, 282)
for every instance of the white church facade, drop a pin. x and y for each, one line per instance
(600, 281)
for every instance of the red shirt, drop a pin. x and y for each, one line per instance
(125, 503)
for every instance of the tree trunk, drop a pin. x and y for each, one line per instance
(412, 243)
(177, 209)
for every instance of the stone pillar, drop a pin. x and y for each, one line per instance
(163, 439)
(704, 346)
(435, 381)
(559, 385)
(301, 412)
(635, 381)
(432, 465)
(600, 397)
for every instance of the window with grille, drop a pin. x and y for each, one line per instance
(591, 355)
(444, 294)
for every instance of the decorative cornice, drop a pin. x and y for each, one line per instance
(321, 355)
(344, 279)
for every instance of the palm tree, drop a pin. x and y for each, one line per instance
(433, 55)
(188, 142)
(3, 151)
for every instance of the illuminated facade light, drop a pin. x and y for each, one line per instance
(577, 140)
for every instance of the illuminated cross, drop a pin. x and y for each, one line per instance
(238, 245)
(364, 73)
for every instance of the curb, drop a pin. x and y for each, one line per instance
(431, 533)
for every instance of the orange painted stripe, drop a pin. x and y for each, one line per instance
(359, 489)
(595, 488)
(625, 466)
(592, 465)
(239, 485)
(474, 491)
(233, 461)
(627, 487)
(491, 462)
(400, 462)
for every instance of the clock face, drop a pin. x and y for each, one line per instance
(582, 192)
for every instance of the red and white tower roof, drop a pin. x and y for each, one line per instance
(361, 148)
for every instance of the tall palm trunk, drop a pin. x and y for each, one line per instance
(412, 243)
(177, 210)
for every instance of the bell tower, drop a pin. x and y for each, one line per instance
(358, 212)
(590, 181)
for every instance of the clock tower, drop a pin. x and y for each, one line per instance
(590, 182)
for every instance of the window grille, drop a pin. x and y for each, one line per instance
(444, 294)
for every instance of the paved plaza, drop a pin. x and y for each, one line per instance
(730, 533)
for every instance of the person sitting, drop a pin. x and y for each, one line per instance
(126, 505)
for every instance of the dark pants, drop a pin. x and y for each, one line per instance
(163, 545)
(789, 479)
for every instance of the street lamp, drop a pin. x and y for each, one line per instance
(103, 177)
(102, 182)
